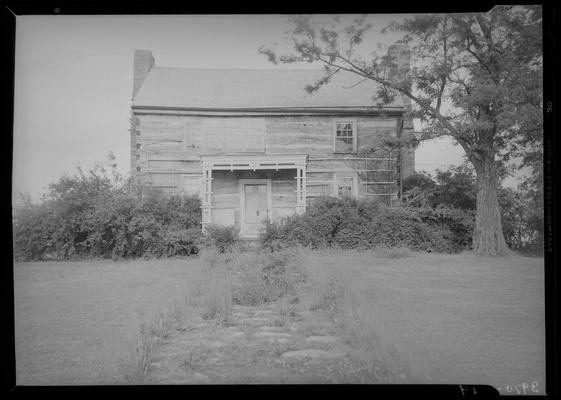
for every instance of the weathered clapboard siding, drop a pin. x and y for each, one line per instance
(300, 134)
(170, 135)
(165, 179)
(225, 191)
(196, 135)
(199, 135)
(319, 176)
(167, 146)
(371, 133)
(341, 164)
(156, 145)
(366, 124)
(314, 134)
(283, 194)
(408, 162)
(224, 216)
(320, 190)
(177, 166)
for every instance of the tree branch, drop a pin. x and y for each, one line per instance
(356, 84)
(357, 70)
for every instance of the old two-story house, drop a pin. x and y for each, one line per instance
(254, 145)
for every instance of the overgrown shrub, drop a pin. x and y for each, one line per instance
(319, 225)
(223, 238)
(523, 220)
(350, 223)
(401, 227)
(457, 222)
(98, 215)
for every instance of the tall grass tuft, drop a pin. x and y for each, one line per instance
(162, 327)
(134, 363)
(374, 359)
(211, 292)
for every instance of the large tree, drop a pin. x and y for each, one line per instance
(474, 77)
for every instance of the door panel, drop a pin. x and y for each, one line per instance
(255, 207)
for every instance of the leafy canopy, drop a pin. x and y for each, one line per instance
(475, 77)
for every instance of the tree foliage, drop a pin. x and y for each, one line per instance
(476, 77)
(453, 192)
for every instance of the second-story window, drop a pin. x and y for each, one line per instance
(345, 137)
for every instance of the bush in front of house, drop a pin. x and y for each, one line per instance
(351, 223)
(402, 227)
(98, 214)
(221, 237)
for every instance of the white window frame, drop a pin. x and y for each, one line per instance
(354, 137)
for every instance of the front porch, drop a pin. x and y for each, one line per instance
(245, 190)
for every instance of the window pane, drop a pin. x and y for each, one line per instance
(345, 190)
(344, 145)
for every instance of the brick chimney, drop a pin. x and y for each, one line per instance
(400, 56)
(143, 63)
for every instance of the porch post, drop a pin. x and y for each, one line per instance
(300, 188)
(207, 194)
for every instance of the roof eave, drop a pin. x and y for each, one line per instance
(339, 110)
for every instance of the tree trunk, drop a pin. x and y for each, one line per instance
(488, 237)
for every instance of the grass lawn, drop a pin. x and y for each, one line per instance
(453, 318)
(73, 319)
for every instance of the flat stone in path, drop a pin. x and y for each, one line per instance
(233, 335)
(210, 343)
(313, 353)
(271, 328)
(200, 377)
(256, 321)
(272, 335)
(261, 313)
(322, 339)
(277, 340)
(154, 365)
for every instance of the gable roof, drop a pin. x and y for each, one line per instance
(212, 89)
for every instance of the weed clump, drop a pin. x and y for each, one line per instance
(136, 359)
(244, 278)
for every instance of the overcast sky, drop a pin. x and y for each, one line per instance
(73, 82)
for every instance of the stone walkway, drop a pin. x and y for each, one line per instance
(263, 344)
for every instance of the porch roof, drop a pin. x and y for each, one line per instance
(253, 161)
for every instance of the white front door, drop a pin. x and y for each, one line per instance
(256, 205)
